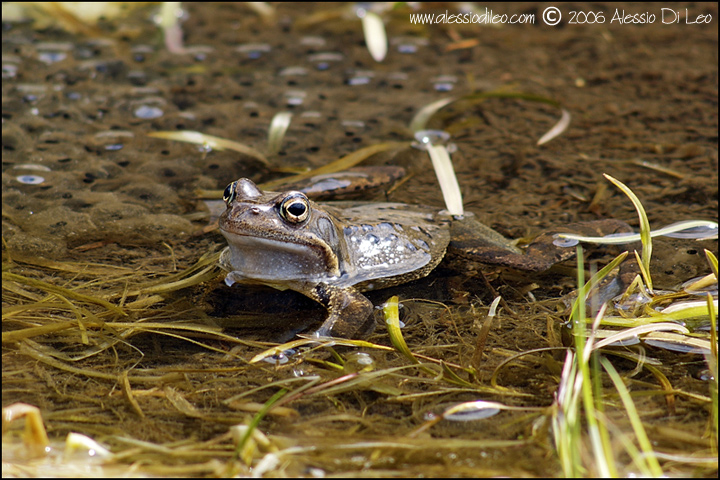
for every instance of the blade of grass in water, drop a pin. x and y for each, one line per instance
(240, 449)
(446, 177)
(349, 160)
(713, 261)
(582, 291)
(576, 384)
(644, 229)
(619, 239)
(557, 129)
(392, 320)
(277, 130)
(421, 119)
(423, 116)
(648, 463)
(712, 362)
(375, 36)
(209, 141)
(53, 289)
(582, 386)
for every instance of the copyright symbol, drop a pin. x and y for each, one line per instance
(552, 16)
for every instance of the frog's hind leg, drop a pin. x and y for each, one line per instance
(469, 240)
(349, 311)
(543, 252)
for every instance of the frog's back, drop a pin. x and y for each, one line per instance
(391, 243)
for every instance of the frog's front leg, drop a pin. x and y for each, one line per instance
(470, 239)
(349, 311)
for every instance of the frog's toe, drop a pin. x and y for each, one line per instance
(341, 327)
(349, 312)
(543, 252)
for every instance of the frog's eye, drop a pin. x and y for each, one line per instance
(229, 193)
(295, 208)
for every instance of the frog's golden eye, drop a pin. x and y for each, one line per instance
(295, 208)
(229, 193)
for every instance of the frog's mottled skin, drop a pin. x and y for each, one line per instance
(328, 253)
(331, 252)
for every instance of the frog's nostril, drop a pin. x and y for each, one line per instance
(255, 211)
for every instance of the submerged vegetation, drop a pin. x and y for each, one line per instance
(102, 311)
(131, 361)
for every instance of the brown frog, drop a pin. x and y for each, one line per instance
(331, 252)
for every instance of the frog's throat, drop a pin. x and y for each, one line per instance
(267, 259)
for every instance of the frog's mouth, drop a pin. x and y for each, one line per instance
(273, 260)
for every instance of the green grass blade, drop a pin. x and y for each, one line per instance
(644, 228)
(713, 261)
(240, 448)
(594, 280)
(712, 361)
(649, 462)
(392, 319)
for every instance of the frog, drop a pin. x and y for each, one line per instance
(332, 252)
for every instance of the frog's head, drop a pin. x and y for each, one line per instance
(279, 236)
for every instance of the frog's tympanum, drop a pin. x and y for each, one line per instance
(331, 252)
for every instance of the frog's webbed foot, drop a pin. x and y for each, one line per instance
(349, 311)
(540, 255)
(543, 253)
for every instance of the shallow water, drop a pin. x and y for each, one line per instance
(90, 202)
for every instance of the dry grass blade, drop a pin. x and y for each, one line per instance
(446, 177)
(203, 270)
(64, 292)
(421, 119)
(355, 381)
(32, 332)
(468, 408)
(713, 331)
(209, 141)
(271, 352)
(483, 334)
(90, 269)
(33, 350)
(512, 358)
(657, 167)
(392, 320)
(276, 133)
(621, 239)
(678, 343)
(633, 332)
(375, 36)
(343, 163)
(309, 381)
(313, 340)
(557, 129)
(264, 10)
